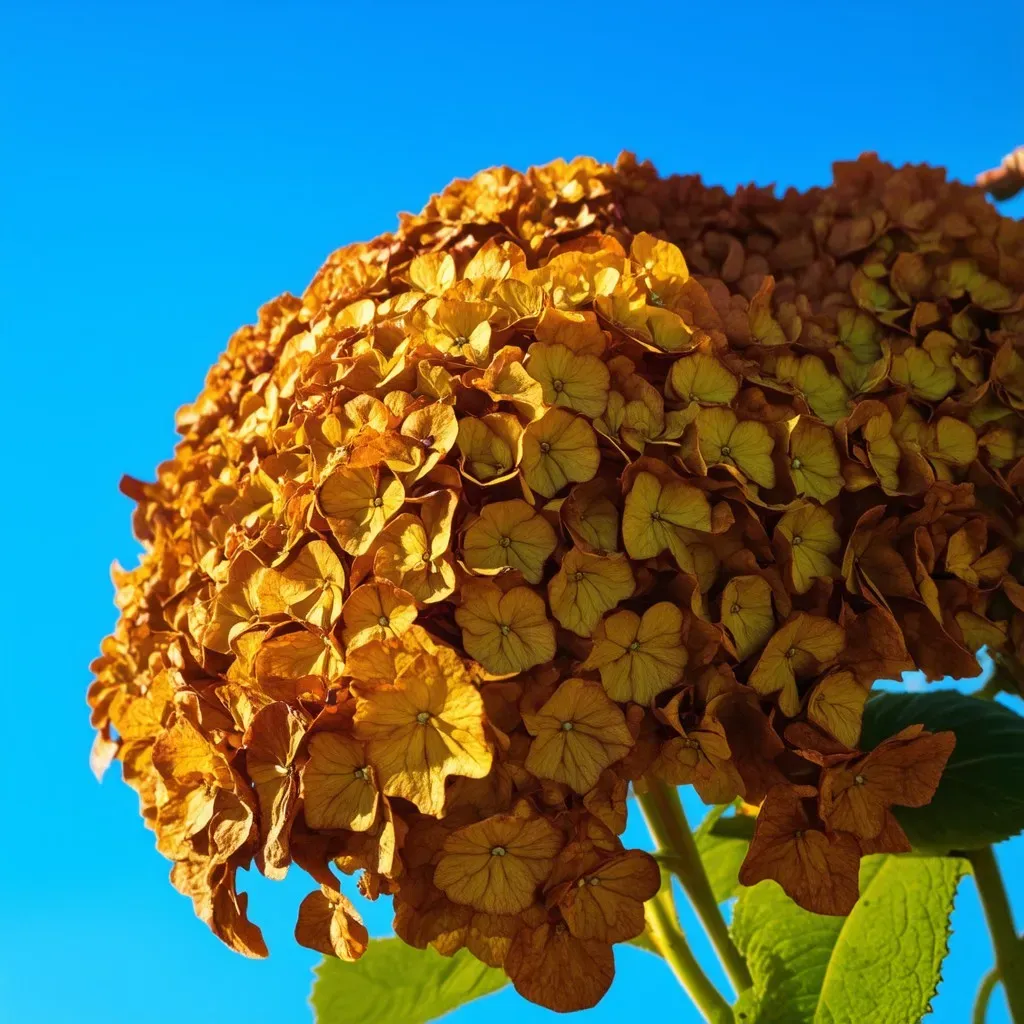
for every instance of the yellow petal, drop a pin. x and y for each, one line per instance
(577, 734)
(573, 381)
(497, 864)
(639, 657)
(506, 632)
(746, 445)
(747, 613)
(357, 503)
(825, 393)
(586, 586)
(837, 704)
(800, 648)
(433, 272)
(814, 461)
(376, 611)
(559, 449)
(491, 446)
(926, 371)
(702, 378)
(338, 784)
(656, 511)
(425, 726)
(813, 538)
(509, 534)
(591, 517)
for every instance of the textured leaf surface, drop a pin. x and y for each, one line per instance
(886, 965)
(980, 799)
(393, 982)
(880, 965)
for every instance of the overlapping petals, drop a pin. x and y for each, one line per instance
(581, 478)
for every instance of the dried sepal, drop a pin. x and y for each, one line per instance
(519, 504)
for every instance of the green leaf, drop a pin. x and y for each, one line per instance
(879, 965)
(738, 826)
(787, 950)
(886, 965)
(980, 799)
(722, 843)
(395, 982)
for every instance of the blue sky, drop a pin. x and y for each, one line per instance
(165, 169)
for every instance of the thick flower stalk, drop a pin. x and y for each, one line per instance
(582, 478)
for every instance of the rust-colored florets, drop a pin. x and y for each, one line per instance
(582, 478)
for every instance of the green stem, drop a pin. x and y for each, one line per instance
(988, 983)
(666, 819)
(989, 691)
(663, 929)
(1008, 946)
(1007, 676)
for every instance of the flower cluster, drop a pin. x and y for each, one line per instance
(583, 478)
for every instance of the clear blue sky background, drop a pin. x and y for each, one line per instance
(167, 167)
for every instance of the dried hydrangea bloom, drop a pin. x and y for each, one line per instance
(582, 477)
